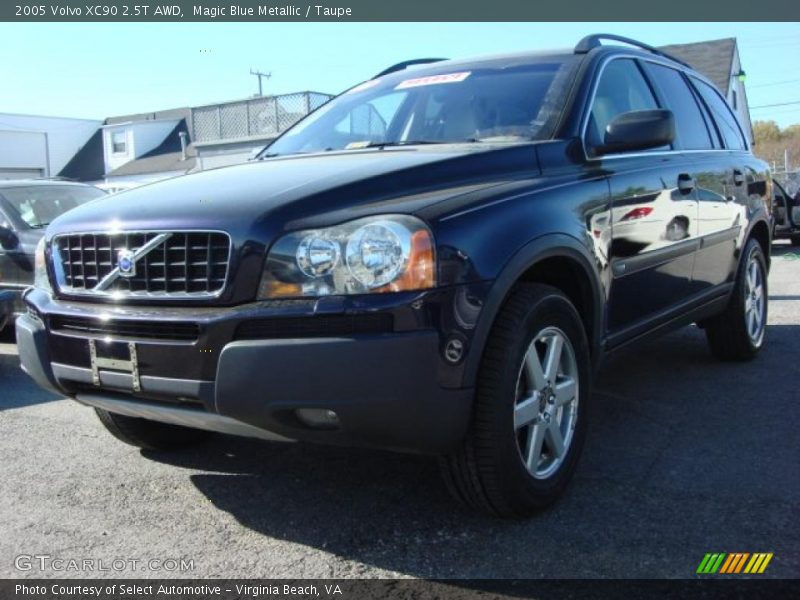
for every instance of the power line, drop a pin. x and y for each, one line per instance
(778, 104)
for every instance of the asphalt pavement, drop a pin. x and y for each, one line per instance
(686, 455)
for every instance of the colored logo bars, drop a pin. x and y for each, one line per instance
(736, 562)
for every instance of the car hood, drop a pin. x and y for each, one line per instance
(263, 198)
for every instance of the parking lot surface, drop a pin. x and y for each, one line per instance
(686, 455)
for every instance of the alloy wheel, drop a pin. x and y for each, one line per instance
(754, 301)
(546, 408)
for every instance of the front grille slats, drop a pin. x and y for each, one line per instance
(185, 264)
(149, 330)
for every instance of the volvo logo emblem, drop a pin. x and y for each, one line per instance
(126, 263)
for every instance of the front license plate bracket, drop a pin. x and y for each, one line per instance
(114, 363)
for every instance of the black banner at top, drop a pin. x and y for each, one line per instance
(397, 10)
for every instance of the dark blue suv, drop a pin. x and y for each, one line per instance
(435, 261)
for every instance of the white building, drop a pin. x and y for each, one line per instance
(36, 146)
(143, 148)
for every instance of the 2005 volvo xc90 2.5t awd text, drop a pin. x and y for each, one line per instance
(435, 261)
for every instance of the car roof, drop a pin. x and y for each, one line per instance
(494, 61)
(500, 61)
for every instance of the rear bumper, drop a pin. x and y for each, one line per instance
(388, 389)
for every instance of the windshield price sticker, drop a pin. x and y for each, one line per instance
(433, 80)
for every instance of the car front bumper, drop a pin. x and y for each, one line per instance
(389, 387)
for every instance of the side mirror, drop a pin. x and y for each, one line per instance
(638, 130)
(8, 239)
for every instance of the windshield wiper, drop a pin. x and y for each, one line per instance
(417, 143)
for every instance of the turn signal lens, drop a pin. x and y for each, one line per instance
(277, 289)
(420, 271)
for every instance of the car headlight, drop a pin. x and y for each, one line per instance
(373, 255)
(40, 279)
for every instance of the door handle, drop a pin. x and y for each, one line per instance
(685, 183)
(738, 177)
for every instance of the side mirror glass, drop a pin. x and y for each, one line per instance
(638, 130)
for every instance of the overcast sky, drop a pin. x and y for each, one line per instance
(100, 70)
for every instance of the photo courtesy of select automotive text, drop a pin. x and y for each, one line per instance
(355, 299)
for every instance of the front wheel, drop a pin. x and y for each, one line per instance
(738, 333)
(529, 421)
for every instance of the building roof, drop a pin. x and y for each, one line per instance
(88, 163)
(713, 58)
(172, 114)
(164, 158)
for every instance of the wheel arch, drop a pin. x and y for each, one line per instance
(555, 259)
(760, 232)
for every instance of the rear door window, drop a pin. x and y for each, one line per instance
(724, 118)
(690, 126)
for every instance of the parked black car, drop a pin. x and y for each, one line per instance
(786, 211)
(431, 262)
(26, 208)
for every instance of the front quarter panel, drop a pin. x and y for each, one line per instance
(499, 239)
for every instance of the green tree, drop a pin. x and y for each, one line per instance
(766, 131)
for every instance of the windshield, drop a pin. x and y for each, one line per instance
(437, 106)
(38, 205)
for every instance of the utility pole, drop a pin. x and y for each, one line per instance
(260, 74)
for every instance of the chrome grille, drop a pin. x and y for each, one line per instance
(166, 264)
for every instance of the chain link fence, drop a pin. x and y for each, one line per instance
(257, 117)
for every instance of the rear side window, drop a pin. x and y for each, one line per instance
(728, 126)
(690, 126)
(622, 88)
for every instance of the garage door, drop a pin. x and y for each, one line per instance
(20, 173)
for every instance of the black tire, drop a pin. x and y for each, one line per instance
(488, 472)
(151, 435)
(795, 239)
(727, 333)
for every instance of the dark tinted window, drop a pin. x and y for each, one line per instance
(690, 127)
(622, 88)
(722, 114)
(37, 205)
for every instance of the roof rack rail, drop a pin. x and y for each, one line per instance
(593, 41)
(406, 64)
